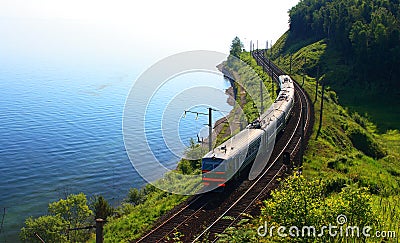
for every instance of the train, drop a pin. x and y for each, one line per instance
(231, 157)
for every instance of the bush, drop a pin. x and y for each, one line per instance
(300, 202)
(362, 121)
(336, 184)
(135, 196)
(341, 164)
(185, 167)
(365, 143)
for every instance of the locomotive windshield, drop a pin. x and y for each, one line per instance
(212, 164)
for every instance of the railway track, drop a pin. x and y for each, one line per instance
(205, 216)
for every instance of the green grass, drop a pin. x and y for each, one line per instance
(388, 210)
(135, 220)
(382, 109)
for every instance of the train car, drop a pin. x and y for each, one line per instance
(221, 164)
(227, 160)
(286, 95)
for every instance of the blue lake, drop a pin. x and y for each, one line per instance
(61, 132)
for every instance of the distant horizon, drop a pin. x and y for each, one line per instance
(106, 30)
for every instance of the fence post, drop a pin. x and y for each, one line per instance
(99, 230)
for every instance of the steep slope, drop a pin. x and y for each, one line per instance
(356, 152)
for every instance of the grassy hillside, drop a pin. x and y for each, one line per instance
(349, 143)
(349, 149)
(380, 105)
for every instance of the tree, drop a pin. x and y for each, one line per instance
(135, 196)
(101, 208)
(50, 228)
(366, 33)
(236, 47)
(65, 214)
(73, 209)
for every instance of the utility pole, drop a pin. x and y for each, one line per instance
(303, 124)
(210, 129)
(251, 43)
(272, 78)
(270, 50)
(304, 70)
(316, 86)
(270, 68)
(321, 111)
(209, 124)
(291, 59)
(273, 84)
(261, 96)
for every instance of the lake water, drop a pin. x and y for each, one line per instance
(61, 132)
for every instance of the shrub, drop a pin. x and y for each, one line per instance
(365, 143)
(135, 196)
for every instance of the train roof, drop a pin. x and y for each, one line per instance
(285, 82)
(231, 147)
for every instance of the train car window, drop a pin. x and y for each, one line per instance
(210, 164)
(266, 137)
(207, 166)
(220, 167)
(231, 164)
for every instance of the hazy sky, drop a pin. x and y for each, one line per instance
(159, 28)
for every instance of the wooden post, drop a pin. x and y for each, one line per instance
(99, 230)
